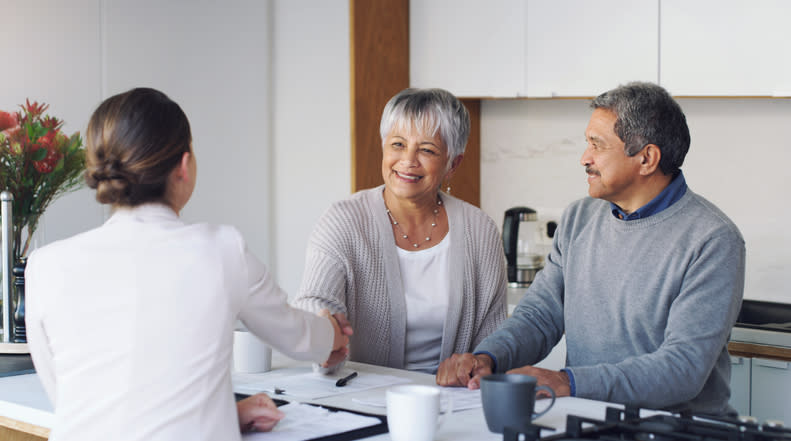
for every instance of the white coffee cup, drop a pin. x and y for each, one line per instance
(250, 354)
(413, 411)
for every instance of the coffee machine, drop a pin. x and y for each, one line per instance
(525, 249)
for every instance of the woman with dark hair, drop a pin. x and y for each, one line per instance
(130, 325)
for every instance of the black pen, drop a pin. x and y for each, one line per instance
(342, 382)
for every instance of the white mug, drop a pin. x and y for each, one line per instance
(250, 354)
(413, 411)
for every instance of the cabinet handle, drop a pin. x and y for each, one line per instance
(776, 364)
(737, 360)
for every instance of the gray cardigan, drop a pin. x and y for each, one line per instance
(646, 305)
(352, 266)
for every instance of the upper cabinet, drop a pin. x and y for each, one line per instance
(580, 48)
(583, 47)
(726, 47)
(540, 48)
(472, 48)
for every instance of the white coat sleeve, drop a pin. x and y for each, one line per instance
(296, 333)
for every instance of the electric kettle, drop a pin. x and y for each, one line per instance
(524, 250)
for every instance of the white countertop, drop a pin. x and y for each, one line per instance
(22, 398)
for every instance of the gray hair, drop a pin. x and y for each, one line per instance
(430, 110)
(647, 114)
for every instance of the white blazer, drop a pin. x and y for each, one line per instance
(130, 326)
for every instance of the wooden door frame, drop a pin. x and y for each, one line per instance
(379, 54)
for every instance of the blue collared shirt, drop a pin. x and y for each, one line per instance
(669, 196)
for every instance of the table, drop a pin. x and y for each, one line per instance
(25, 407)
(465, 425)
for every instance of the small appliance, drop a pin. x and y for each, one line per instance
(524, 245)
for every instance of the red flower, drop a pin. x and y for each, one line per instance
(51, 123)
(47, 141)
(8, 120)
(49, 162)
(35, 110)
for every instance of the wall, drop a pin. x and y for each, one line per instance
(264, 83)
(312, 136)
(530, 153)
(51, 53)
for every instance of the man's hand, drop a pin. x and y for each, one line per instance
(556, 380)
(258, 413)
(342, 329)
(464, 370)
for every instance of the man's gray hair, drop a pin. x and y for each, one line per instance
(430, 110)
(647, 114)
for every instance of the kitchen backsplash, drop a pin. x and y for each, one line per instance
(739, 159)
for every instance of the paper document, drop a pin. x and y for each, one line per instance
(303, 421)
(314, 385)
(461, 397)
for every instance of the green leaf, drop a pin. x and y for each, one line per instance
(59, 167)
(39, 154)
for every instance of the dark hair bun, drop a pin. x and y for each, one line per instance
(134, 140)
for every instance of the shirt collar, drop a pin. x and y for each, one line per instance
(144, 212)
(669, 196)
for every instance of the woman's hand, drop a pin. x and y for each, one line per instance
(258, 413)
(342, 329)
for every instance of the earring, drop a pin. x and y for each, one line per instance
(447, 189)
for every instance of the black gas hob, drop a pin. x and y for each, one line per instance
(626, 424)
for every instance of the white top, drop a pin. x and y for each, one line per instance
(130, 326)
(426, 291)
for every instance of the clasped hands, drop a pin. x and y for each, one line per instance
(467, 369)
(342, 329)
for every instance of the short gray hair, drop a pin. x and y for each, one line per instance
(430, 110)
(647, 114)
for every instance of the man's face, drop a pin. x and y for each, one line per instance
(611, 173)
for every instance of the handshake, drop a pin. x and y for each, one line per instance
(342, 329)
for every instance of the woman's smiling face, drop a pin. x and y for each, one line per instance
(414, 163)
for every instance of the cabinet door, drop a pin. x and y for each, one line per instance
(770, 397)
(725, 47)
(740, 384)
(469, 47)
(584, 48)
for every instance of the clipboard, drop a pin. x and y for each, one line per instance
(364, 432)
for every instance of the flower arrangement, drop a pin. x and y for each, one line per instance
(38, 163)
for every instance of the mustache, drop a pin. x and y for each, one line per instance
(591, 171)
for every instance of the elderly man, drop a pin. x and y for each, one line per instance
(645, 277)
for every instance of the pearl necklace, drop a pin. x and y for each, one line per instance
(404, 235)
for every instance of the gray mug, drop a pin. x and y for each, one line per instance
(509, 400)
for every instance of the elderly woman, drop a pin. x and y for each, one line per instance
(131, 324)
(420, 273)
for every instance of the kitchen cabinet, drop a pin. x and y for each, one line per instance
(469, 47)
(536, 48)
(770, 392)
(574, 48)
(725, 47)
(740, 384)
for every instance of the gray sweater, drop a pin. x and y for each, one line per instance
(352, 267)
(647, 306)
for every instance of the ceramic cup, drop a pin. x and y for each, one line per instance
(250, 354)
(509, 400)
(413, 411)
